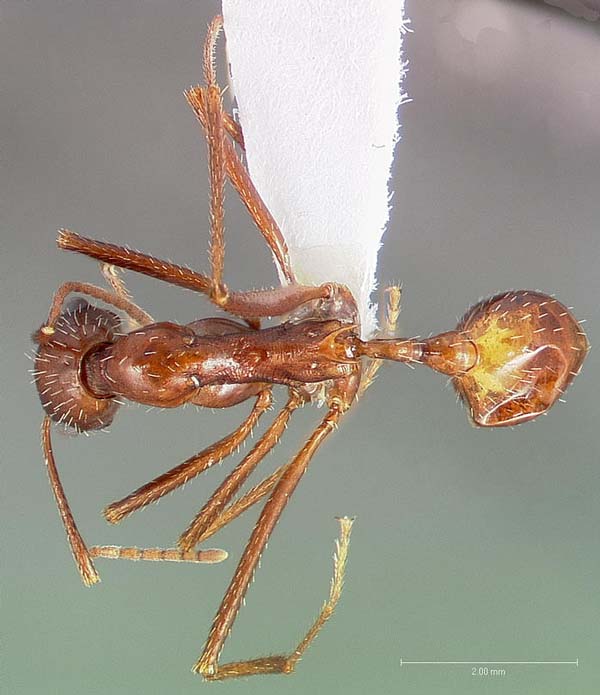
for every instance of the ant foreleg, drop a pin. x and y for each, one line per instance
(207, 665)
(391, 312)
(285, 663)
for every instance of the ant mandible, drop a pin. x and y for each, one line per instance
(510, 358)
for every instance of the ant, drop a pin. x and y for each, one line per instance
(509, 358)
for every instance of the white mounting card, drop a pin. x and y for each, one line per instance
(318, 86)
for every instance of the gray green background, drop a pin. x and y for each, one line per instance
(468, 545)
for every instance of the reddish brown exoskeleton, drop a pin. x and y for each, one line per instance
(510, 358)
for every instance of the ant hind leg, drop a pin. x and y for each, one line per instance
(81, 554)
(184, 472)
(212, 510)
(119, 301)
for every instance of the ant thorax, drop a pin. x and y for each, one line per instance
(341, 306)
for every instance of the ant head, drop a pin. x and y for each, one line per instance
(529, 348)
(58, 366)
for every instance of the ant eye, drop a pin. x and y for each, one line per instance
(529, 349)
(196, 381)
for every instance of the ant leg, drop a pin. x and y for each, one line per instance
(112, 277)
(394, 297)
(208, 556)
(340, 558)
(210, 74)
(228, 488)
(285, 663)
(238, 507)
(117, 284)
(215, 136)
(131, 309)
(204, 107)
(210, 44)
(234, 130)
(256, 493)
(253, 304)
(389, 322)
(207, 665)
(122, 257)
(81, 554)
(241, 181)
(181, 474)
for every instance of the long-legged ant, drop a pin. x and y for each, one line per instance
(510, 358)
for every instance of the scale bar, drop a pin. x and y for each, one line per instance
(403, 662)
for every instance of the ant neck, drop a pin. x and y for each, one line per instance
(449, 353)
